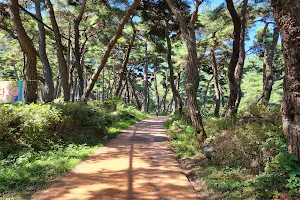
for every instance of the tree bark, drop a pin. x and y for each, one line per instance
(192, 72)
(112, 42)
(215, 77)
(156, 90)
(206, 91)
(124, 64)
(287, 16)
(238, 74)
(165, 95)
(29, 51)
(49, 85)
(233, 88)
(77, 49)
(134, 91)
(63, 68)
(103, 85)
(145, 90)
(268, 79)
(127, 89)
(175, 92)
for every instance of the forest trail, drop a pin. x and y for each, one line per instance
(137, 165)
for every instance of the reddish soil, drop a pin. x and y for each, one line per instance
(138, 164)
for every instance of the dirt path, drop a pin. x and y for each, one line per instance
(138, 164)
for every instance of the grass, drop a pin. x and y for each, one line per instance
(231, 174)
(24, 166)
(30, 168)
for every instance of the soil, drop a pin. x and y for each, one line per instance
(138, 164)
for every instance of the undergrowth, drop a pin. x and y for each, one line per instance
(40, 142)
(251, 160)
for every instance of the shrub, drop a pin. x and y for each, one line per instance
(39, 142)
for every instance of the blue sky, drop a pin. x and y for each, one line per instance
(251, 31)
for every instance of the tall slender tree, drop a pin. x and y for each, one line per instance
(233, 88)
(112, 42)
(238, 73)
(125, 62)
(269, 51)
(175, 92)
(215, 77)
(77, 48)
(28, 49)
(145, 90)
(192, 72)
(63, 68)
(48, 85)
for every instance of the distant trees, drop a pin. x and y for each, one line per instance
(146, 60)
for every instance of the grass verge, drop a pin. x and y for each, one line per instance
(250, 162)
(67, 134)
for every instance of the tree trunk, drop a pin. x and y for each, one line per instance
(216, 77)
(164, 97)
(124, 64)
(77, 49)
(156, 89)
(112, 42)
(268, 80)
(145, 90)
(72, 86)
(134, 91)
(176, 95)
(127, 89)
(206, 91)
(233, 88)
(29, 51)
(242, 55)
(192, 73)
(49, 85)
(103, 85)
(63, 68)
(287, 16)
(109, 84)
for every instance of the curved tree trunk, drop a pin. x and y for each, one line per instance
(242, 55)
(112, 42)
(28, 49)
(287, 16)
(63, 68)
(134, 90)
(215, 77)
(77, 49)
(233, 88)
(175, 92)
(49, 85)
(156, 89)
(145, 91)
(268, 79)
(124, 64)
(192, 72)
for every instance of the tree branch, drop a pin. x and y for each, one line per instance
(195, 13)
(35, 18)
(10, 32)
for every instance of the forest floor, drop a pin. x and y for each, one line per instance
(138, 164)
